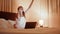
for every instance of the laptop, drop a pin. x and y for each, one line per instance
(30, 25)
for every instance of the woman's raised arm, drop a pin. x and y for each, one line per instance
(29, 5)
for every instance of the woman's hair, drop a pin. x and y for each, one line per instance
(20, 7)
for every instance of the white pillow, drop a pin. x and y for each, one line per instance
(12, 22)
(4, 24)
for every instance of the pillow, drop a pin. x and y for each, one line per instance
(4, 24)
(12, 22)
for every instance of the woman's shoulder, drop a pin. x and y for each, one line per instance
(18, 18)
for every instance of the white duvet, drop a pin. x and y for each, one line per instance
(9, 24)
(5, 24)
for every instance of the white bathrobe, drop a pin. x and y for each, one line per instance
(21, 21)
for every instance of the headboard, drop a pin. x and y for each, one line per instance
(8, 15)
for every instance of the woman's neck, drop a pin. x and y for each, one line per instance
(21, 14)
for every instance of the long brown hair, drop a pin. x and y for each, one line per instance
(22, 9)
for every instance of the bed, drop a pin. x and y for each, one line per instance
(31, 31)
(7, 20)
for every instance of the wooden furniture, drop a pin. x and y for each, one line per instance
(8, 15)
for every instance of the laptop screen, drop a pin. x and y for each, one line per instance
(30, 25)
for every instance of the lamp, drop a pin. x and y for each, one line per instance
(41, 23)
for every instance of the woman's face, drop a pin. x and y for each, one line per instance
(21, 9)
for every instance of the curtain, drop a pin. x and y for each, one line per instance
(54, 13)
(5, 5)
(49, 12)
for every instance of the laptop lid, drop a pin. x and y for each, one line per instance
(30, 25)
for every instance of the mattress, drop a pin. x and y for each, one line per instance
(31, 31)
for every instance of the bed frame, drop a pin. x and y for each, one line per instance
(8, 15)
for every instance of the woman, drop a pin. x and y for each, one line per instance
(21, 21)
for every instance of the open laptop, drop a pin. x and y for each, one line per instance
(30, 25)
